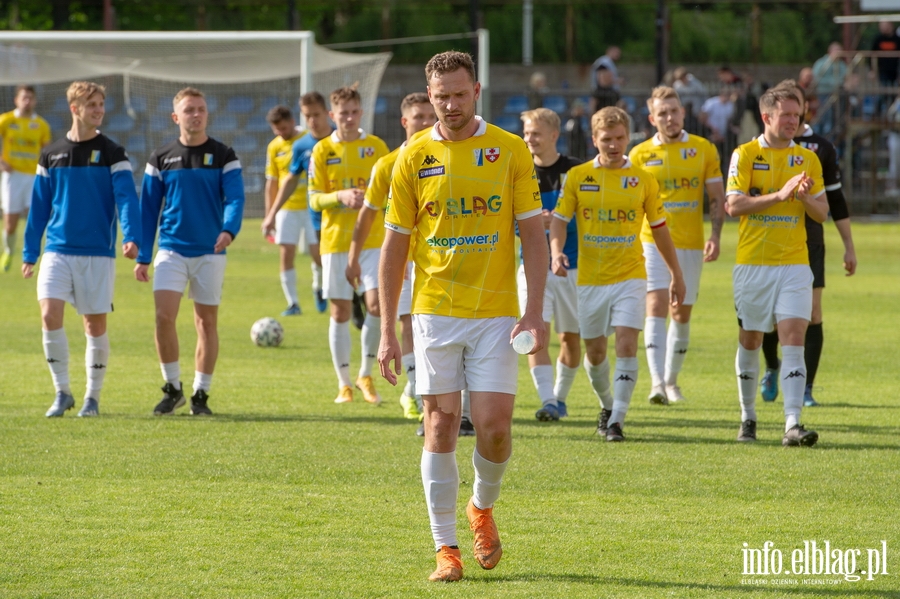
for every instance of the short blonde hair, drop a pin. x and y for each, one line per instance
(192, 92)
(662, 92)
(792, 85)
(345, 94)
(81, 91)
(542, 115)
(609, 117)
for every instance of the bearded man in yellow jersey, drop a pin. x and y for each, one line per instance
(609, 198)
(773, 185)
(458, 191)
(339, 170)
(23, 134)
(417, 114)
(684, 165)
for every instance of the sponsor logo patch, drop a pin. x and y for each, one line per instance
(436, 171)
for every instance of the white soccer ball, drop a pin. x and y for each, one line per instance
(267, 332)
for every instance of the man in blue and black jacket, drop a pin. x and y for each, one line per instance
(193, 192)
(84, 184)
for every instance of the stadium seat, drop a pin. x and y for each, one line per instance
(510, 123)
(239, 104)
(138, 104)
(381, 105)
(161, 123)
(57, 123)
(119, 123)
(244, 144)
(212, 103)
(258, 124)
(516, 105)
(557, 104)
(223, 122)
(273, 101)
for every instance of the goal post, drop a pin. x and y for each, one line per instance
(242, 73)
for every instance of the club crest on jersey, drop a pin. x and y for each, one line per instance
(630, 182)
(795, 160)
(688, 153)
(366, 152)
(207, 159)
(492, 154)
(95, 156)
(478, 157)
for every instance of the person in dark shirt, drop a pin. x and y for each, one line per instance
(604, 94)
(887, 41)
(84, 184)
(815, 243)
(200, 180)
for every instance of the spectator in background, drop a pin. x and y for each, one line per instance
(807, 83)
(727, 76)
(716, 113)
(608, 60)
(604, 93)
(829, 72)
(576, 132)
(887, 41)
(692, 93)
(537, 89)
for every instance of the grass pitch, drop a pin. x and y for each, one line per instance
(284, 494)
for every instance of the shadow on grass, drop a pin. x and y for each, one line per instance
(723, 590)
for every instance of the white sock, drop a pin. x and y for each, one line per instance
(56, 350)
(488, 476)
(289, 286)
(409, 364)
(96, 356)
(9, 241)
(625, 378)
(370, 336)
(316, 276)
(466, 402)
(793, 383)
(202, 381)
(440, 477)
(171, 372)
(746, 365)
(542, 375)
(598, 375)
(655, 342)
(676, 349)
(339, 342)
(565, 376)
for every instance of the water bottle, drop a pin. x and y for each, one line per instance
(524, 342)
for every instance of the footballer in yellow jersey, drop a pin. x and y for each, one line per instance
(684, 166)
(459, 190)
(773, 184)
(278, 162)
(22, 134)
(610, 198)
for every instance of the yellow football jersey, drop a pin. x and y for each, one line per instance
(23, 139)
(609, 206)
(335, 165)
(278, 162)
(776, 235)
(459, 201)
(682, 170)
(376, 196)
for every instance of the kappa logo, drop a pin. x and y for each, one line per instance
(492, 154)
(98, 366)
(624, 377)
(630, 182)
(759, 158)
(52, 360)
(651, 156)
(681, 351)
(744, 377)
(331, 153)
(652, 346)
(430, 160)
(794, 374)
(589, 179)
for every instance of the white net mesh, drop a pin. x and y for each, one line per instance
(242, 74)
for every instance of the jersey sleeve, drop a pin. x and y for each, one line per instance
(379, 185)
(831, 175)
(299, 156)
(271, 167)
(4, 124)
(122, 176)
(526, 192)
(153, 190)
(39, 214)
(566, 203)
(815, 172)
(739, 171)
(402, 206)
(653, 206)
(46, 138)
(712, 170)
(232, 193)
(319, 188)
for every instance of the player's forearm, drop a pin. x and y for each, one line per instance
(269, 193)
(843, 227)
(390, 278)
(558, 236)
(716, 194)
(285, 191)
(816, 208)
(322, 201)
(361, 232)
(535, 260)
(663, 240)
(738, 204)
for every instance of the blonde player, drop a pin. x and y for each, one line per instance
(292, 221)
(610, 198)
(458, 191)
(773, 185)
(684, 165)
(22, 133)
(339, 170)
(417, 114)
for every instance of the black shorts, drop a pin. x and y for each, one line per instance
(817, 264)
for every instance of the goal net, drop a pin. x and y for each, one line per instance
(242, 75)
